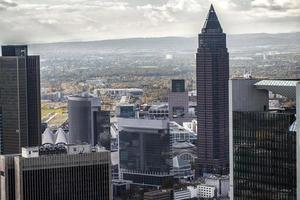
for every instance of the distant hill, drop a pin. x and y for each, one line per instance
(244, 42)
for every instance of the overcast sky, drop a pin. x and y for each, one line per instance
(81, 20)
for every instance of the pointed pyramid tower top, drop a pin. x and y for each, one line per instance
(212, 23)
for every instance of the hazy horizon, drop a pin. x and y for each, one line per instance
(32, 21)
(132, 38)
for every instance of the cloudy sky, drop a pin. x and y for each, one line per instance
(81, 20)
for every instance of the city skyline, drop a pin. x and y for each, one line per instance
(98, 20)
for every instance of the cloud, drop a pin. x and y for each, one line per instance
(276, 4)
(5, 4)
(66, 20)
(170, 11)
(275, 8)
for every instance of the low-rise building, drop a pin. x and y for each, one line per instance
(206, 191)
(221, 183)
(194, 191)
(182, 169)
(120, 187)
(182, 194)
(159, 195)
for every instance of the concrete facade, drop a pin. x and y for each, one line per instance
(71, 172)
(82, 119)
(178, 100)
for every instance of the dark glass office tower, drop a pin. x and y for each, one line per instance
(13, 103)
(19, 99)
(33, 100)
(1, 130)
(264, 156)
(212, 75)
(145, 151)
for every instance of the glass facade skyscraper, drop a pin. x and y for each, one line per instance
(145, 150)
(19, 98)
(264, 156)
(263, 141)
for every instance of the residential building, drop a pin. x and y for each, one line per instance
(212, 75)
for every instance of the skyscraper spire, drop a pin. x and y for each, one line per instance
(212, 23)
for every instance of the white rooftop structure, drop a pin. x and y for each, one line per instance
(47, 137)
(180, 133)
(285, 88)
(162, 106)
(33, 152)
(143, 123)
(59, 137)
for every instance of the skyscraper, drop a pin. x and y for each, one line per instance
(7, 177)
(61, 172)
(263, 142)
(19, 99)
(81, 118)
(87, 123)
(212, 75)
